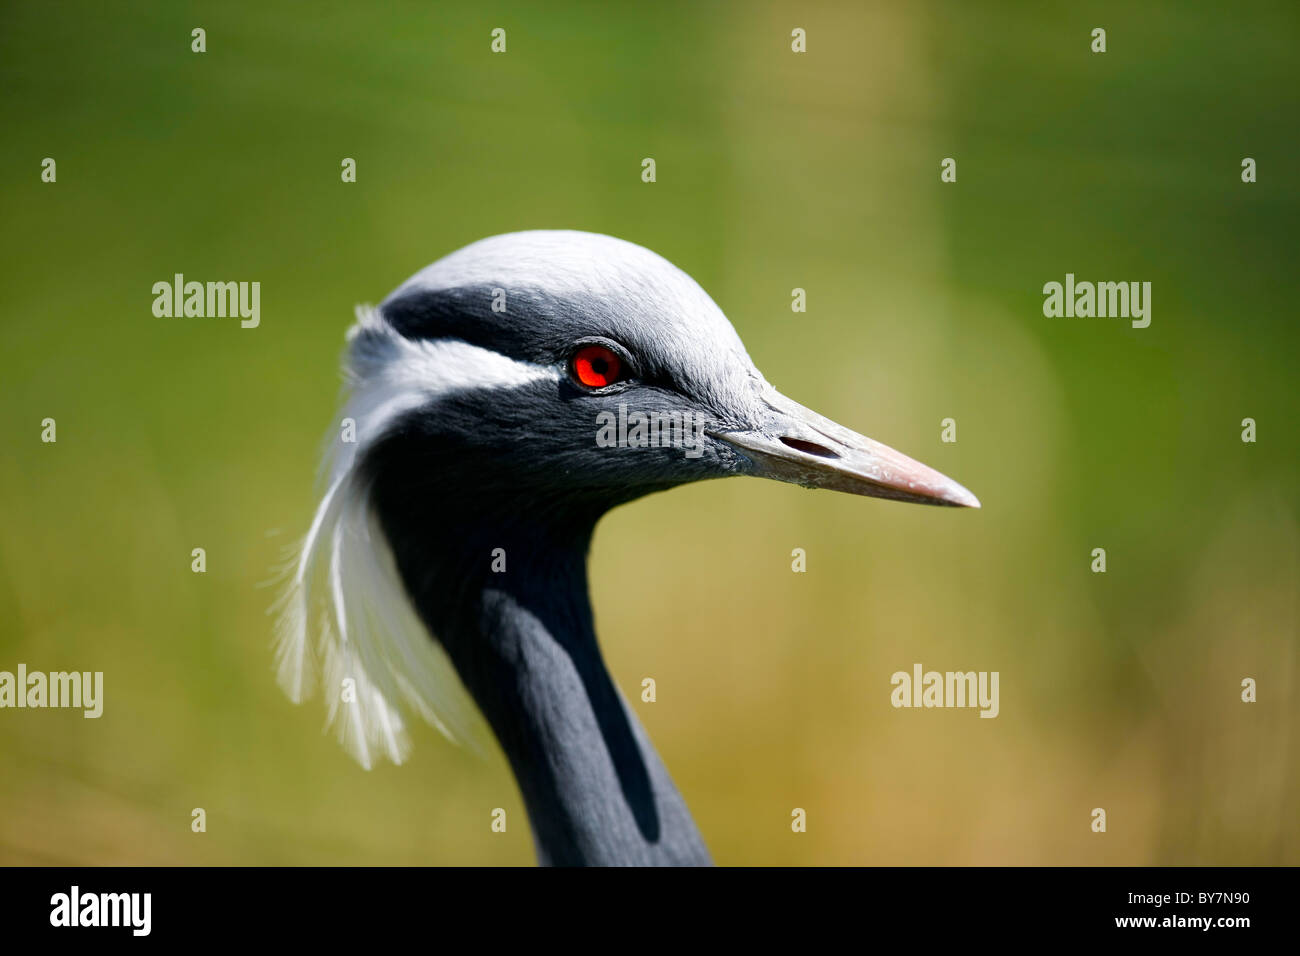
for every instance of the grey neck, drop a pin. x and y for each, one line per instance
(524, 645)
(596, 791)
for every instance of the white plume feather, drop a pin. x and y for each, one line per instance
(345, 613)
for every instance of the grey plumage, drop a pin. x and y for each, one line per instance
(474, 434)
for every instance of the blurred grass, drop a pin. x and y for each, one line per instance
(774, 171)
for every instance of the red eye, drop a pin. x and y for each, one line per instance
(596, 366)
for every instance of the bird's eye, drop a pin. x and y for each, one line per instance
(596, 366)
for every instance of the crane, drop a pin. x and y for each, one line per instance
(445, 568)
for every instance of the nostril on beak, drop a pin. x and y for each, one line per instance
(812, 448)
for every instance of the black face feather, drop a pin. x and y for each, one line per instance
(537, 328)
(501, 453)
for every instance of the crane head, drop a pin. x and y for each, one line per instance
(578, 367)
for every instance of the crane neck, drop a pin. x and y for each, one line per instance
(511, 607)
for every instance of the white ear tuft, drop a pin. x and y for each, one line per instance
(345, 621)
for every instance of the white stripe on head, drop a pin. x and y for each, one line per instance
(390, 375)
(345, 613)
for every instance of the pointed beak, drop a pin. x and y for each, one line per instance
(796, 444)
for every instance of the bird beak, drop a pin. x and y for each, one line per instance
(796, 444)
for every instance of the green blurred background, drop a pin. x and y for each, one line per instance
(775, 171)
